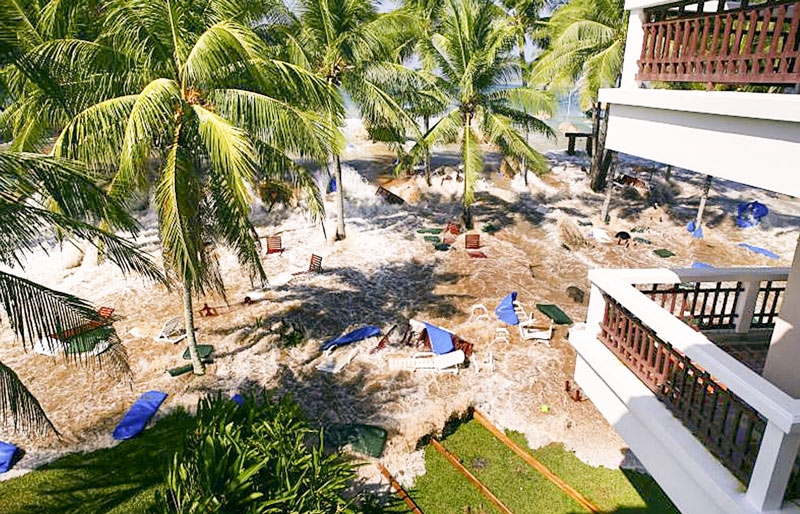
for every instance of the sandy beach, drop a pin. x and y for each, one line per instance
(384, 274)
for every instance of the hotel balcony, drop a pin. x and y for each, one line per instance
(746, 137)
(673, 359)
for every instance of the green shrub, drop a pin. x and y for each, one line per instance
(260, 457)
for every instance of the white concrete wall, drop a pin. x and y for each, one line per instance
(783, 360)
(748, 138)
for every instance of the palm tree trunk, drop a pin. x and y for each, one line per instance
(428, 154)
(600, 159)
(522, 64)
(466, 214)
(340, 233)
(609, 189)
(703, 200)
(188, 317)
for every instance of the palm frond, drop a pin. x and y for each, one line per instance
(18, 405)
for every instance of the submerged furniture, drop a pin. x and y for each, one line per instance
(314, 267)
(501, 335)
(390, 197)
(555, 313)
(572, 136)
(274, 245)
(351, 337)
(429, 361)
(134, 421)
(529, 328)
(506, 309)
(204, 351)
(331, 364)
(367, 439)
(472, 243)
(7, 453)
(480, 312)
(172, 331)
(87, 339)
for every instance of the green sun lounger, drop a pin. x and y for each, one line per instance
(429, 230)
(431, 239)
(367, 439)
(663, 253)
(554, 313)
(442, 247)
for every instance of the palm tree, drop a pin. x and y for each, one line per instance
(586, 42)
(348, 44)
(471, 50)
(209, 113)
(41, 196)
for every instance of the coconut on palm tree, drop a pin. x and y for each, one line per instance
(472, 52)
(43, 198)
(353, 48)
(207, 112)
(586, 43)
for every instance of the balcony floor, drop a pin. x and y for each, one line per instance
(749, 349)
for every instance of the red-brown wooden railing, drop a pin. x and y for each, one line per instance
(730, 428)
(748, 44)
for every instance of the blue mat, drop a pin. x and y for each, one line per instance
(352, 337)
(7, 452)
(134, 421)
(761, 251)
(701, 265)
(441, 340)
(505, 309)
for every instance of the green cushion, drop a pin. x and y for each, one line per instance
(554, 313)
(180, 370)
(663, 253)
(442, 247)
(426, 230)
(203, 351)
(641, 240)
(431, 239)
(367, 439)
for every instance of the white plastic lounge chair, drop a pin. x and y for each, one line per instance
(501, 335)
(529, 328)
(172, 331)
(332, 365)
(480, 312)
(429, 361)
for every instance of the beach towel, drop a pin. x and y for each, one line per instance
(554, 313)
(761, 251)
(140, 413)
(203, 351)
(663, 253)
(352, 337)
(701, 265)
(505, 309)
(441, 340)
(7, 452)
(367, 439)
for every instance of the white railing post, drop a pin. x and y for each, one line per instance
(633, 49)
(773, 467)
(746, 305)
(596, 310)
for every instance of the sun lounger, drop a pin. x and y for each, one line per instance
(480, 312)
(139, 414)
(555, 313)
(7, 452)
(172, 331)
(429, 361)
(431, 239)
(390, 197)
(506, 310)
(180, 370)
(441, 340)
(204, 351)
(274, 245)
(331, 364)
(314, 267)
(367, 439)
(87, 339)
(663, 253)
(351, 337)
(442, 247)
(530, 328)
(427, 230)
(501, 335)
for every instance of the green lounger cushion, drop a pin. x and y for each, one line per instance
(367, 439)
(663, 253)
(641, 240)
(426, 230)
(180, 370)
(431, 239)
(554, 313)
(203, 351)
(442, 247)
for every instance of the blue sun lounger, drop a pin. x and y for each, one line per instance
(134, 421)
(505, 309)
(441, 339)
(7, 452)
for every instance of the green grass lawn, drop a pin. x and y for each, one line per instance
(443, 490)
(124, 479)
(118, 480)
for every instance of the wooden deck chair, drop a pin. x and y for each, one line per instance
(172, 331)
(530, 329)
(472, 243)
(274, 245)
(314, 267)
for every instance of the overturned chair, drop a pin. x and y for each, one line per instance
(529, 328)
(172, 331)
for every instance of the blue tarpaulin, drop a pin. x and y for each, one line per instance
(441, 340)
(352, 337)
(750, 214)
(332, 185)
(762, 251)
(505, 309)
(136, 419)
(7, 451)
(697, 232)
(701, 265)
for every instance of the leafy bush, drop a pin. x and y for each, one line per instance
(260, 457)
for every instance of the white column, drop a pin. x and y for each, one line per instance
(596, 310)
(633, 49)
(746, 306)
(773, 467)
(784, 349)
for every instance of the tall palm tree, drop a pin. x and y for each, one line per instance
(208, 113)
(472, 51)
(46, 197)
(352, 47)
(586, 43)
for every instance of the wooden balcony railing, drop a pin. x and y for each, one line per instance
(716, 305)
(747, 42)
(730, 428)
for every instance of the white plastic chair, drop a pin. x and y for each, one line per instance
(529, 328)
(172, 331)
